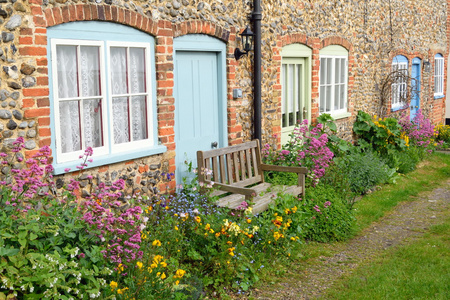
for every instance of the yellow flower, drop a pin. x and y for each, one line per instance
(217, 234)
(167, 208)
(277, 235)
(176, 227)
(139, 265)
(157, 259)
(156, 243)
(121, 291)
(198, 219)
(287, 211)
(154, 265)
(207, 227)
(249, 221)
(143, 236)
(120, 268)
(229, 242)
(113, 285)
(231, 253)
(163, 275)
(177, 282)
(163, 264)
(292, 238)
(179, 273)
(294, 209)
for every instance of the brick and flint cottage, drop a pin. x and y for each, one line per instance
(146, 83)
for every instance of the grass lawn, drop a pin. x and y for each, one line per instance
(419, 270)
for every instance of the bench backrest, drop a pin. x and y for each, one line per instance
(238, 165)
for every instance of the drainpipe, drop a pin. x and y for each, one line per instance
(256, 18)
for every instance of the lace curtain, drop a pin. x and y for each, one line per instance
(80, 117)
(129, 108)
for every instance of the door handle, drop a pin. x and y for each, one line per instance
(214, 145)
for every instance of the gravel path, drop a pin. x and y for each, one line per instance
(407, 221)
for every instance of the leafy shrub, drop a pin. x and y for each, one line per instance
(364, 170)
(45, 248)
(443, 135)
(384, 135)
(322, 216)
(329, 216)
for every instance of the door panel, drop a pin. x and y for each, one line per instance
(415, 84)
(196, 106)
(293, 95)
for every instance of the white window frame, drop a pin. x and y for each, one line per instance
(332, 85)
(70, 156)
(399, 89)
(103, 35)
(438, 76)
(123, 147)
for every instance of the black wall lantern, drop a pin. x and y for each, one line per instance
(247, 43)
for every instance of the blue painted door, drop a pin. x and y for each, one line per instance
(415, 84)
(197, 106)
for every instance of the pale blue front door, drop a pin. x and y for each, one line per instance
(415, 84)
(200, 99)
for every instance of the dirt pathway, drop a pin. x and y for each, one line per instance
(407, 221)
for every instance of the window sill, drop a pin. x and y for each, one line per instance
(397, 108)
(341, 115)
(439, 96)
(109, 159)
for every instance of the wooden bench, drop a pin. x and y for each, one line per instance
(238, 173)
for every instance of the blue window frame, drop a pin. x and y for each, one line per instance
(102, 92)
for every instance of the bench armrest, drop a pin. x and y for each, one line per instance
(299, 170)
(249, 193)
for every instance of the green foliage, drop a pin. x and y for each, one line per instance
(329, 217)
(443, 135)
(384, 135)
(47, 253)
(364, 170)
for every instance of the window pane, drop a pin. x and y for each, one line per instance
(290, 88)
(90, 71)
(118, 71)
(139, 118)
(329, 71)
(328, 99)
(67, 71)
(323, 67)
(283, 89)
(343, 70)
(337, 70)
(336, 97)
(120, 120)
(92, 122)
(137, 70)
(322, 99)
(342, 97)
(69, 118)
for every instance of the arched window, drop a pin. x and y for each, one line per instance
(333, 80)
(102, 93)
(400, 82)
(438, 76)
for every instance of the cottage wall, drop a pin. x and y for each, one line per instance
(373, 31)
